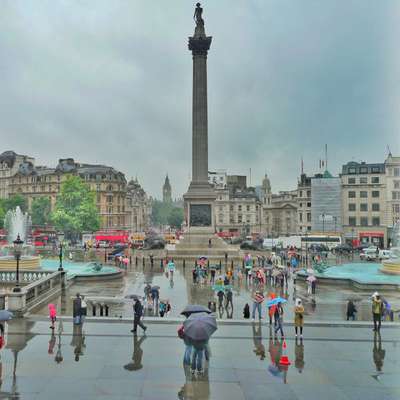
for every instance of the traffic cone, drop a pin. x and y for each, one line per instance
(284, 360)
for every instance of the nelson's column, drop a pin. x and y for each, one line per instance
(200, 197)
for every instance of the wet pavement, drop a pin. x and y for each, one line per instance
(329, 302)
(104, 361)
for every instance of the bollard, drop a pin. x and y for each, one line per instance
(136, 261)
(242, 263)
(220, 264)
(208, 264)
(130, 260)
(143, 261)
(232, 265)
(184, 264)
(106, 308)
(161, 264)
(93, 310)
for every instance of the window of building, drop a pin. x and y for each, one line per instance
(247, 208)
(248, 219)
(363, 207)
(364, 221)
(109, 199)
(308, 193)
(352, 207)
(351, 194)
(375, 179)
(239, 208)
(396, 208)
(301, 217)
(363, 170)
(240, 218)
(308, 204)
(396, 184)
(375, 193)
(231, 207)
(375, 169)
(375, 206)
(396, 171)
(363, 194)
(395, 195)
(363, 180)
(301, 193)
(351, 181)
(352, 221)
(308, 217)
(376, 221)
(352, 170)
(301, 205)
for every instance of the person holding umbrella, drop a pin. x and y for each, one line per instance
(138, 312)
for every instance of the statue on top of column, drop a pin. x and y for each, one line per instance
(198, 15)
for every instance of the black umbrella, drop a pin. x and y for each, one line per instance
(200, 326)
(133, 297)
(194, 308)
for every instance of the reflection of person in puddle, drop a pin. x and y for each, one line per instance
(137, 356)
(377, 352)
(78, 341)
(196, 386)
(259, 348)
(52, 342)
(299, 355)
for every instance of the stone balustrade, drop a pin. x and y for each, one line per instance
(9, 276)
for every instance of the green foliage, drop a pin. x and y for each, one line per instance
(175, 218)
(2, 215)
(40, 211)
(166, 214)
(12, 202)
(75, 210)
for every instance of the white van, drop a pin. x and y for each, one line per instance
(368, 254)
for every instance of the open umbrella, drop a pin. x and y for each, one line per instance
(200, 326)
(311, 278)
(155, 287)
(133, 296)
(193, 309)
(275, 301)
(5, 315)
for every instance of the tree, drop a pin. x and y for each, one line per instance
(75, 210)
(175, 217)
(40, 211)
(160, 212)
(16, 200)
(2, 215)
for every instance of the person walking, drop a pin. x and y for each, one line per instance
(298, 317)
(278, 317)
(351, 310)
(377, 307)
(83, 309)
(221, 296)
(52, 315)
(138, 312)
(229, 297)
(155, 295)
(258, 299)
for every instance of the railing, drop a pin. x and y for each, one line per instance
(24, 276)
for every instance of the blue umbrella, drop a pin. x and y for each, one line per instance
(5, 315)
(275, 301)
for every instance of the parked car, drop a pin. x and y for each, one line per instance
(342, 249)
(248, 245)
(369, 254)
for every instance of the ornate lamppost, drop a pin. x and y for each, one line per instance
(17, 254)
(60, 254)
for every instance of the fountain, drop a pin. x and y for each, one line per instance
(17, 222)
(392, 266)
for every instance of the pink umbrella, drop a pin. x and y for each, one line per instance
(311, 278)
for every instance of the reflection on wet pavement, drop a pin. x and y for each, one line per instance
(329, 303)
(104, 361)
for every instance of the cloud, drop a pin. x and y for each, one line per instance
(110, 82)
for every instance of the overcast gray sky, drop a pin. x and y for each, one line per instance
(110, 82)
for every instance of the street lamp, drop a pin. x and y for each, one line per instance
(60, 254)
(17, 254)
(323, 222)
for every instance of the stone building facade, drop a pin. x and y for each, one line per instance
(364, 202)
(279, 211)
(109, 184)
(9, 165)
(392, 174)
(303, 204)
(138, 208)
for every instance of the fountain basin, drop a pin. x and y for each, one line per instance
(391, 267)
(25, 262)
(361, 275)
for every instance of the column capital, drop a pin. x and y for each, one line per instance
(199, 46)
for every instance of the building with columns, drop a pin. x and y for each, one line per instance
(138, 207)
(392, 174)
